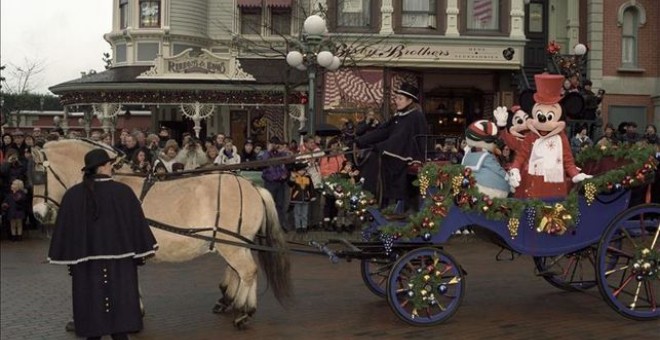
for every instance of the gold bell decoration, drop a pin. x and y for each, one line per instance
(513, 225)
(423, 184)
(590, 192)
(456, 182)
(555, 220)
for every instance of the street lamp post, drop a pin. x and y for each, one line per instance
(312, 53)
(571, 64)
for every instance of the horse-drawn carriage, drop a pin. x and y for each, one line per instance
(587, 240)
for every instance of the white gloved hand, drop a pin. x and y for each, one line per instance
(514, 178)
(501, 115)
(580, 177)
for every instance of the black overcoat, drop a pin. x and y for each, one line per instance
(103, 254)
(397, 143)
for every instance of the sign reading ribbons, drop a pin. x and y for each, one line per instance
(197, 64)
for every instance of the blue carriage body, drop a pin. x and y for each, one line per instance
(594, 219)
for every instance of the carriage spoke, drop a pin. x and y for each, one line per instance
(612, 271)
(622, 286)
(612, 249)
(650, 293)
(636, 296)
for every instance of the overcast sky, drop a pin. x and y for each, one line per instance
(66, 34)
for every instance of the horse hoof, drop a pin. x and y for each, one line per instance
(241, 321)
(221, 306)
(70, 326)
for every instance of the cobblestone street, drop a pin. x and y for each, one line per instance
(503, 300)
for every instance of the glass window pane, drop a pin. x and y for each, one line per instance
(483, 15)
(418, 13)
(281, 21)
(251, 20)
(628, 50)
(149, 13)
(355, 13)
(123, 15)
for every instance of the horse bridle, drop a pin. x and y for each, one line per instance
(45, 164)
(44, 174)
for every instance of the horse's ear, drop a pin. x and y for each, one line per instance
(526, 101)
(572, 105)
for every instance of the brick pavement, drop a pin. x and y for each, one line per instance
(503, 300)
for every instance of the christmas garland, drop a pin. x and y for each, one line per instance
(454, 185)
(348, 195)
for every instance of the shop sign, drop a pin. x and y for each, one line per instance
(435, 53)
(197, 64)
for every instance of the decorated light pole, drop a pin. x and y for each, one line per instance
(197, 111)
(569, 64)
(105, 113)
(311, 52)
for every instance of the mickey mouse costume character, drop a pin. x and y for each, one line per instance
(546, 150)
(491, 177)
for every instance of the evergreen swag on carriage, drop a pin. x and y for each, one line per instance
(455, 185)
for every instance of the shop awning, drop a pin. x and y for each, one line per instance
(249, 3)
(278, 3)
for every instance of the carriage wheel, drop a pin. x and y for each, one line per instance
(425, 287)
(375, 273)
(628, 263)
(570, 272)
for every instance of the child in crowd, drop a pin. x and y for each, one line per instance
(228, 154)
(302, 193)
(13, 207)
(330, 165)
(345, 222)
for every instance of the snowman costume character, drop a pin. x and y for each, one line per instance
(545, 152)
(491, 178)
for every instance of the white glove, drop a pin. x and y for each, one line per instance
(501, 115)
(514, 178)
(580, 177)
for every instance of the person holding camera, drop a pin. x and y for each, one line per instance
(591, 100)
(192, 155)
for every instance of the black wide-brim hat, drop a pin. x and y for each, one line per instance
(409, 91)
(96, 158)
(299, 166)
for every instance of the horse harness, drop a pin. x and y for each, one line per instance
(151, 179)
(40, 177)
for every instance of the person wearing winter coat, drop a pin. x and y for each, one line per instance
(14, 208)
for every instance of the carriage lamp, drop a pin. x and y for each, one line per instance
(311, 53)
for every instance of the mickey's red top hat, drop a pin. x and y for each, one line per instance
(548, 88)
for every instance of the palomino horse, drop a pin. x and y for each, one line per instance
(210, 205)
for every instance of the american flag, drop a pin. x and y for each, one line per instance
(483, 10)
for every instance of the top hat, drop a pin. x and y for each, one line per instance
(409, 91)
(548, 88)
(482, 130)
(96, 158)
(299, 166)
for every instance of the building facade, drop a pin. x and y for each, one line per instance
(465, 56)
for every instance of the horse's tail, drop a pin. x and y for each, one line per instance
(274, 263)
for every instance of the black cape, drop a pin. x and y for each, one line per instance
(398, 144)
(103, 255)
